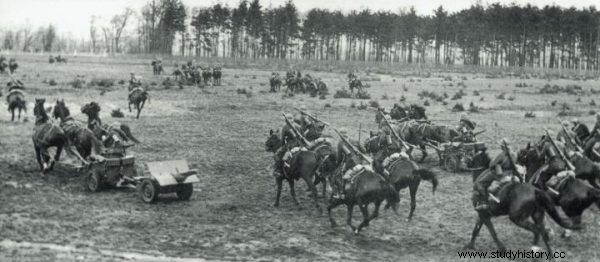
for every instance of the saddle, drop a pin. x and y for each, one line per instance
(555, 182)
(352, 174)
(14, 91)
(391, 161)
(287, 157)
(318, 143)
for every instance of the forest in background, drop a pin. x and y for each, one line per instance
(493, 35)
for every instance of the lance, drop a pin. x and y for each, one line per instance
(294, 130)
(560, 153)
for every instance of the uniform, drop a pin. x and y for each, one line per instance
(490, 180)
(465, 130)
(554, 163)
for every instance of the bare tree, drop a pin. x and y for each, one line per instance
(93, 33)
(118, 24)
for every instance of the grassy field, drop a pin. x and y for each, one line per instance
(222, 133)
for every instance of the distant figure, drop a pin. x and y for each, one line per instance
(12, 65)
(217, 76)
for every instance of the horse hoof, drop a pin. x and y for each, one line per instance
(276, 205)
(502, 249)
(469, 247)
(567, 233)
(536, 249)
(356, 231)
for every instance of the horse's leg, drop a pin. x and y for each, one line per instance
(334, 203)
(293, 192)
(20, 113)
(423, 153)
(313, 189)
(38, 157)
(538, 218)
(59, 150)
(364, 209)
(129, 105)
(278, 182)
(537, 228)
(490, 226)
(350, 209)
(413, 188)
(475, 233)
(13, 115)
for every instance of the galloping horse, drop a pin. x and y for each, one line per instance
(82, 138)
(16, 100)
(122, 131)
(46, 135)
(137, 97)
(367, 187)
(303, 165)
(403, 173)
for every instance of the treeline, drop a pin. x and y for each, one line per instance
(492, 35)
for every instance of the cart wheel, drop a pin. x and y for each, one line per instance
(148, 190)
(184, 191)
(451, 163)
(93, 181)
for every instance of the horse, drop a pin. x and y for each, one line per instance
(60, 59)
(275, 82)
(520, 201)
(368, 187)
(217, 74)
(157, 68)
(12, 66)
(51, 59)
(355, 83)
(137, 97)
(122, 131)
(207, 75)
(574, 195)
(16, 100)
(46, 135)
(303, 165)
(82, 138)
(403, 173)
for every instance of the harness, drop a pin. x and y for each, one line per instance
(289, 154)
(391, 161)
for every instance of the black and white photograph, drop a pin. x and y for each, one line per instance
(299, 130)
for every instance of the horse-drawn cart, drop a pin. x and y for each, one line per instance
(118, 170)
(456, 155)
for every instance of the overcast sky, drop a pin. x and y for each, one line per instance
(73, 16)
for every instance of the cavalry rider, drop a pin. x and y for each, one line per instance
(553, 160)
(343, 153)
(291, 145)
(302, 120)
(465, 129)
(565, 135)
(499, 172)
(134, 81)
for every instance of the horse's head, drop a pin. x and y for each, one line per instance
(480, 160)
(273, 142)
(529, 156)
(91, 109)
(314, 130)
(398, 112)
(60, 109)
(38, 110)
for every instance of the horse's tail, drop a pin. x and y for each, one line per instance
(544, 201)
(428, 175)
(390, 194)
(127, 131)
(147, 95)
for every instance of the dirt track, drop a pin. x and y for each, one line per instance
(230, 216)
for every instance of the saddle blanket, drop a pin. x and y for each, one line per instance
(355, 171)
(388, 161)
(496, 185)
(289, 154)
(556, 181)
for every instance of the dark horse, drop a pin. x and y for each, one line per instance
(46, 135)
(520, 201)
(303, 165)
(122, 131)
(16, 101)
(82, 138)
(574, 195)
(405, 173)
(367, 187)
(137, 97)
(157, 67)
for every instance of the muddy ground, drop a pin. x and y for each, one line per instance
(231, 214)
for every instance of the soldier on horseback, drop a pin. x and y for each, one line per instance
(491, 180)
(554, 153)
(465, 129)
(346, 148)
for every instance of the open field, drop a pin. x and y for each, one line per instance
(231, 214)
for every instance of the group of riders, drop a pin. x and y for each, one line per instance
(191, 73)
(295, 82)
(10, 64)
(556, 151)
